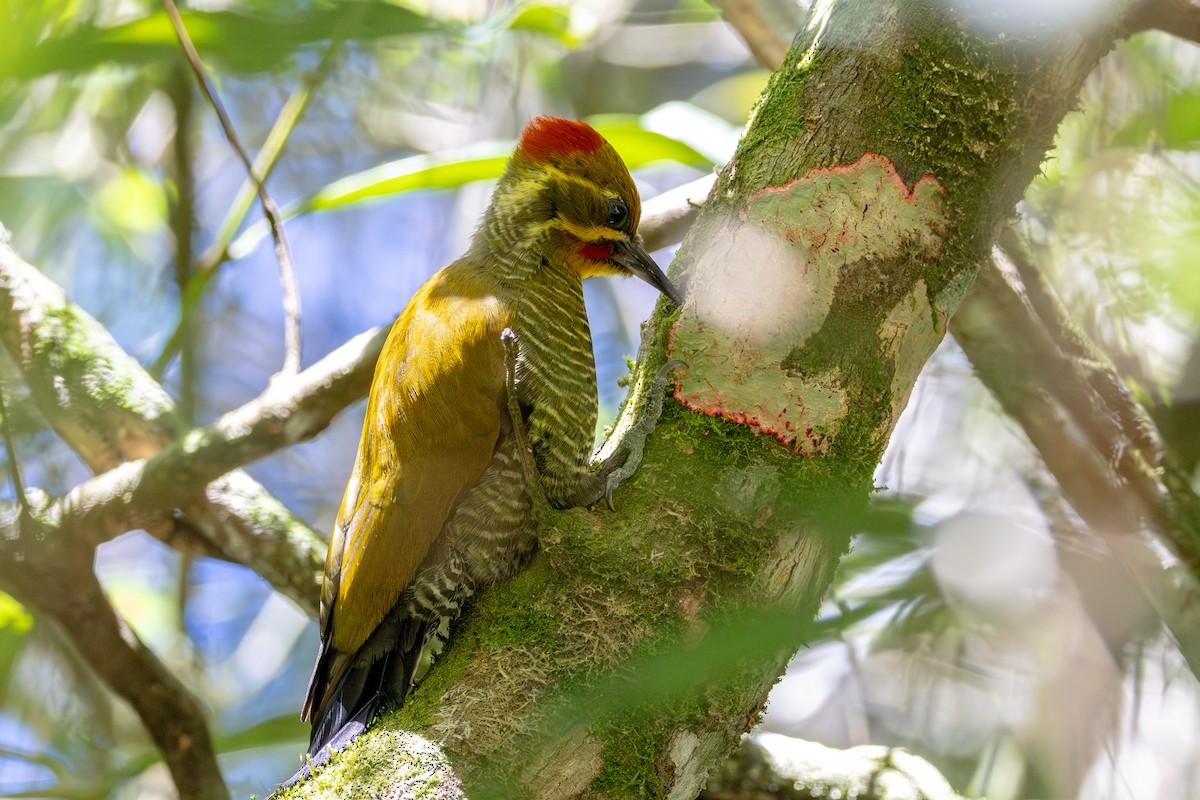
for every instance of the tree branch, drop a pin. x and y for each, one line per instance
(1177, 17)
(10, 451)
(667, 217)
(293, 409)
(106, 407)
(747, 19)
(55, 577)
(1094, 437)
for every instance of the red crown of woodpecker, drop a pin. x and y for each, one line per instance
(547, 137)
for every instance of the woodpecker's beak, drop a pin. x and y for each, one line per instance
(632, 256)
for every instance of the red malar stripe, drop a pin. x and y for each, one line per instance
(597, 251)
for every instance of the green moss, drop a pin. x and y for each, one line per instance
(774, 123)
(630, 752)
(955, 106)
(66, 342)
(517, 612)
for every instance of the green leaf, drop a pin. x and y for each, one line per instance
(284, 729)
(447, 170)
(241, 42)
(15, 623)
(452, 169)
(640, 147)
(550, 20)
(1174, 123)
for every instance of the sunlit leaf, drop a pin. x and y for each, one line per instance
(550, 20)
(452, 169)
(15, 623)
(435, 171)
(14, 618)
(239, 41)
(1174, 124)
(133, 202)
(639, 146)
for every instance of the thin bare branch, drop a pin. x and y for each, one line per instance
(283, 253)
(1177, 17)
(267, 158)
(182, 220)
(747, 19)
(10, 449)
(217, 252)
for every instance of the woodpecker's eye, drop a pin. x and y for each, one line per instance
(618, 212)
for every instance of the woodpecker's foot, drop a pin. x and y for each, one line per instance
(621, 465)
(524, 450)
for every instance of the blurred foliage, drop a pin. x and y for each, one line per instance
(452, 169)
(15, 623)
(1114, 214)
(250, 41)
(422, 97)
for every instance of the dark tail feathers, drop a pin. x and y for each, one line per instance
(364, 692)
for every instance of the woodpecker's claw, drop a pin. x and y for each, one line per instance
(629, 454)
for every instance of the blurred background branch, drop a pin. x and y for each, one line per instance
(1177, 17)
(1097, 442)
(54, 575)
(110, 410)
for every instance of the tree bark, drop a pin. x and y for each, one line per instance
(883, 158)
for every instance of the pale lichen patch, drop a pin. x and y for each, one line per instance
(687, 766)
(909, 336)
(416, 767)
(768, 282)
(799, 410)
(757, 286)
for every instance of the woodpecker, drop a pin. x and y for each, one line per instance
(438, 503)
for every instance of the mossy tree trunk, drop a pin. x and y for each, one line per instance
(627, 660)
